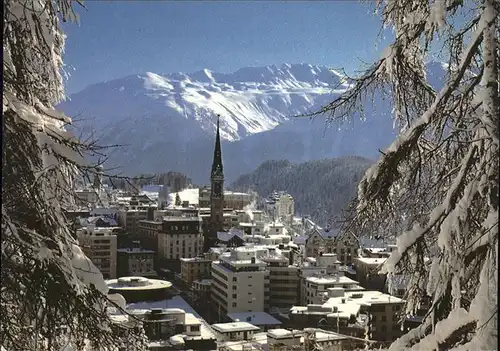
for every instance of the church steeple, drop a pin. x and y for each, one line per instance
(216, 223)
(217, 167)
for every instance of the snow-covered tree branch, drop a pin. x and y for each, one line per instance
(436, 186)
(52, 295)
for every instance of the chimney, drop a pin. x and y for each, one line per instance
(290, 257)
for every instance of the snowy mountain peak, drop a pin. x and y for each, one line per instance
(250, 100)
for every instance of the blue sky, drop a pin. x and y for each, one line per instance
(119, 38)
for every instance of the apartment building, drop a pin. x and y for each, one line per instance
(195, 268)
(232, 200)
(370, 314)
(180, 237)
(149, 230)
(285, 207)
(136, 261)
(235, 331)
(163, 327)
(172, 238)
(99, 244)
(284, 280)
(129, 219)
(319, 241)
(237, 200)
(315, 286)
(204, 196)
(240, 283)
(367, 272)
(329, 241)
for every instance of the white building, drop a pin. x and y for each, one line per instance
(281, 205)
(240, 283)
(315, 286)
(285, 207)
(235, 331)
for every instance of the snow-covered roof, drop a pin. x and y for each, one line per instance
(300, 240)
(337, 279)
(226, 236)
(111, 222)
(348, 305)
(190, 195)
(370, 260)
(284, 333)
(194, 259)
(372, 242)
(174, 302)
(135, 250)
(234, 327)
(255, 318)
(324, 233)
(137, 283)
(234, 193)
(151, 188)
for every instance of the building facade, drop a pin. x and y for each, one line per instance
(99, 245)
(195, 268)
(136, 261)
(284, 281)
(329, 241)
(240, 283)
(172, 238)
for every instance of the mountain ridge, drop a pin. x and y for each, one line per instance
(250, 100)
(167, 122)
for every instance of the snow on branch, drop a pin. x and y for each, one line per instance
(436, 186)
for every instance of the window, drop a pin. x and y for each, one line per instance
(234, 296)
(234, 279)
(195, 328)
(234, 304)
(384, 318)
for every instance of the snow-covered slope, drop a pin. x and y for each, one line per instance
(250, 100)
(167, 121)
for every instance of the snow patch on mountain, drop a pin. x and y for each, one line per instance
(251, 100)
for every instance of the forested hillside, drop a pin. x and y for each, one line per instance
(321, 189)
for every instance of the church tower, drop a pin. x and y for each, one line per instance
(216, 194)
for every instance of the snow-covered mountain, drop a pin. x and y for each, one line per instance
(251, 100)
(167, 121)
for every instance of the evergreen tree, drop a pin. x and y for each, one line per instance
(437, 184)
(52, 296)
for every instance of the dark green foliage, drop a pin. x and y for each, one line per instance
(321, 189)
